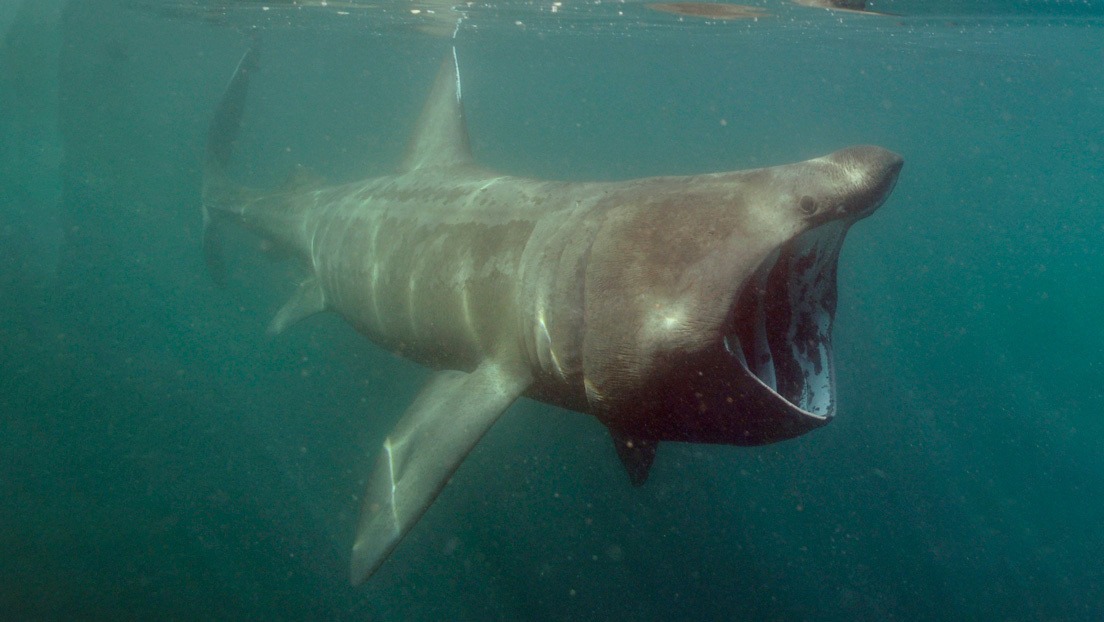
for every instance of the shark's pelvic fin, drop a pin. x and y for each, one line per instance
(441, 135)
(446, 420)
(308, 300)
(637, 455)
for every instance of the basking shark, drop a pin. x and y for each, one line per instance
(695, 309)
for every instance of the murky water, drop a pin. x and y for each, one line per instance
(163, 458)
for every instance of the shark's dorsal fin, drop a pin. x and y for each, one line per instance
(441, 135)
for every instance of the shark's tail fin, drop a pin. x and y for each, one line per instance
(221, 196)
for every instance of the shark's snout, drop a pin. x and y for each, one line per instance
(873, 171)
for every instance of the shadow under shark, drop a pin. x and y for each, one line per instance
(695, 308)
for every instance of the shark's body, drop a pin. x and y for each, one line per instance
(672, 308)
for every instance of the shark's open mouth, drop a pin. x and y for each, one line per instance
(782, 323)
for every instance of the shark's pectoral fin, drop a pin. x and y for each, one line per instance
(637, 455)
(305, 302)
(446, 420)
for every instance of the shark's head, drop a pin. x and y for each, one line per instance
(778, 334)
(719, 327)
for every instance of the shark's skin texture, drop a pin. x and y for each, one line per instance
(695, 308)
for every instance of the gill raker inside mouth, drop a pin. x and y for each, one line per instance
(781, 329)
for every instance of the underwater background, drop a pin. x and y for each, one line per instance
(162, 458)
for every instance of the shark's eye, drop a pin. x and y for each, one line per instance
(808, 205)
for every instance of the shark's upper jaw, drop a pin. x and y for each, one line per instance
(780, 330)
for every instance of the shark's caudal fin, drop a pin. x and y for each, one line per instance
(441, 135)
(219, 193)
(446, 420)
(223, 199)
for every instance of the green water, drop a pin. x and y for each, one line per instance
(161, 458)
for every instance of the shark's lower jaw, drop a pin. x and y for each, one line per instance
(781, 327)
